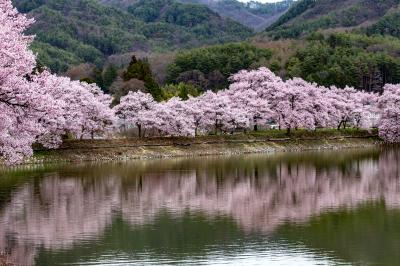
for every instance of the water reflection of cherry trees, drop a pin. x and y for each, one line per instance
(68, 206)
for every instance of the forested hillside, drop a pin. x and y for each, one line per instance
(388, 24)
(209, 68)
(78, 31)
(252, 14)
(337, 43)
(306, 16)
(345, 59)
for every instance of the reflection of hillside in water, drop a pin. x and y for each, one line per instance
(64, 207)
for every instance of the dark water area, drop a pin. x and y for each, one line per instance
(310, 208)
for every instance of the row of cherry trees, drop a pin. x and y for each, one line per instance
(254, 98)
(43, 108)
(40, 107)
(258, 96)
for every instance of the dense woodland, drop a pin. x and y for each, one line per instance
(209, 68)
(78, 31)
(341, 59)
(307, 16)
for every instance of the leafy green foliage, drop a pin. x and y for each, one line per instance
(210, 67)
(55, 58)
(188, 15)
(296, 10)
(147, 11)
(25, 6)
(181, 90)
(140, 69)
(387, 25)
(109, 75)
(342, 59)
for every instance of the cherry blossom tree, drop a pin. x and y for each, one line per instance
(348, 107)
(40, 107)
(99, 118)
(249, 105)
(180, 122)
(208, 119)
(263, 81)
(21, 101)
(292, 104)
(194, 108)
(83, 109)
(216, 115)
(316, 107)
(367, 106)
(136, 108)
(389, 102)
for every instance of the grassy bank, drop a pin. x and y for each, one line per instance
(254, 142)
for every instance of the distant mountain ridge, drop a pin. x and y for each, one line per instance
(253, 14)
(70, 32)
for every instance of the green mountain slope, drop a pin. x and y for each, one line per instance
(253, 14)
(306, 16)
(78, 31)
(387, 25)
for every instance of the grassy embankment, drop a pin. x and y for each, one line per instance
(253, 142)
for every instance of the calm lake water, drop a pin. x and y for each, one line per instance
(314, 208)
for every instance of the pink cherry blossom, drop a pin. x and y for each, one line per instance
(40, 107)
(389, 102)
(21, 102)
(136, 109)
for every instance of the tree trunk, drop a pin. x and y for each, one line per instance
(82, 133)
(340, 124)
(139, 130)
